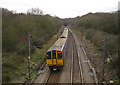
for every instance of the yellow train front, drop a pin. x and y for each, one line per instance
(54, 59)
(56, 54)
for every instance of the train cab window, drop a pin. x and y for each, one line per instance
(59, 54)
(54, 54)
(48, 55)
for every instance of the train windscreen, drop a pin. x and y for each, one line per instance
(59, 54)
(48, 55)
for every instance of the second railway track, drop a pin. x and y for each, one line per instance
(76, 68)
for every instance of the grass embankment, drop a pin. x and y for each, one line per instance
(15, 41)
(17, 67)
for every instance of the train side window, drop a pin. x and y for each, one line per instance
(59, 55)
(48, 55)
(54, 54)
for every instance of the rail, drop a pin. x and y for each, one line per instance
(81, 45)
(72, 64)
(80, 66)
(78, 55)
(48, 79)
(52, 78)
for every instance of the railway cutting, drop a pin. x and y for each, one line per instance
(63, 62)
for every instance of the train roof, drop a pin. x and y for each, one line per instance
(59, 44)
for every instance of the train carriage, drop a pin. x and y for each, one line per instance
(55, 55)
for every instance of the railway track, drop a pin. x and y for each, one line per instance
(76, 74)
(72, 64)
(76, 68)
(80, 66)
(53, 78)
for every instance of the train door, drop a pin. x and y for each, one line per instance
(54, 60)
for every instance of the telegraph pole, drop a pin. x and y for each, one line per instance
(29, 54)
(104, 59)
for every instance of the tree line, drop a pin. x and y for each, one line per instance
(15, 27)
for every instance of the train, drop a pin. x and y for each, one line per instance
(56, 53)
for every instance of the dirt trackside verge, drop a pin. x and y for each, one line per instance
(95, 56)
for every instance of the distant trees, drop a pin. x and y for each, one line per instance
(107, 22)
(35, 11)
(97, 25)
(16, 26)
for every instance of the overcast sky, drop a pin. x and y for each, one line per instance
(62, 8)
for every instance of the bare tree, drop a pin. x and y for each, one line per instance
(35, 11)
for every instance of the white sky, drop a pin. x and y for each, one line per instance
(62, 8)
